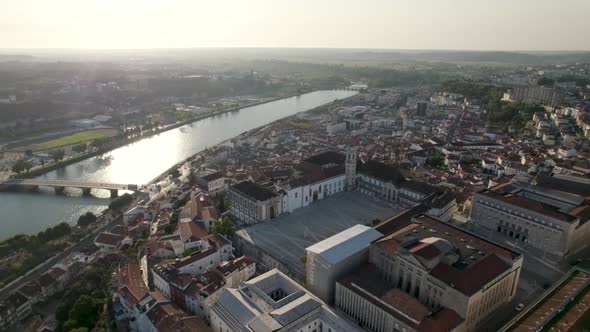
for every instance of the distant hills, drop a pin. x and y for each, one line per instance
(306, 54)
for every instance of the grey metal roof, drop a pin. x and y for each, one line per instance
(345, 244)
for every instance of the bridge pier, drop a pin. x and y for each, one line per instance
(86, 191)
(114, 193)
(59, 190)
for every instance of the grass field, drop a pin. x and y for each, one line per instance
(299, 123)
(76, 138)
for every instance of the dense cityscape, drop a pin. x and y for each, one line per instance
(307, 189)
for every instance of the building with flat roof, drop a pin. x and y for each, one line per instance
(273, 302)
(450, 278)
(335, 256)
(551, 215)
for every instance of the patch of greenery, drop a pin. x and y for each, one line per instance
(436, 160)
(223, 226)
(515, 115)
(121, 202)
(295, 122)
(82, 303)
(71, 139)
(31, 250)
(21, 165)
(86, 219)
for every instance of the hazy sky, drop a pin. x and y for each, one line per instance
(401, 24)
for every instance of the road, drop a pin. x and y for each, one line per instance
(85, 243)
(538, 273)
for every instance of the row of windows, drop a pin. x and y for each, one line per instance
(402, 277)
(518, 213)
(364, 312)
(489, 301)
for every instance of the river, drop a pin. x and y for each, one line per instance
(140, 162)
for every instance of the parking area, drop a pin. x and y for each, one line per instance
(286, 237)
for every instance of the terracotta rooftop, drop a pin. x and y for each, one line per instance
(529, 204)
(254, 191)
(109, 239)
(191, 231)
(131, 283)
(469, 280)
(405, 303)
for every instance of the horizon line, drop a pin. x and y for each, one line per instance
(291, 48)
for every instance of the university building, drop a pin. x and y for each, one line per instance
(419, 274)
(274, 302)
(252, 203)
(550, 215)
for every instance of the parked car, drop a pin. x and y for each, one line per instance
(519, 307)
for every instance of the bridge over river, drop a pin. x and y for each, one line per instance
(60, 185)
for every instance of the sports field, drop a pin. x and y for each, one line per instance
(76, 138)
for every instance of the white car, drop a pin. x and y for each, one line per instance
(519, 307)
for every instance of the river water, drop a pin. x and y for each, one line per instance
(140, 162)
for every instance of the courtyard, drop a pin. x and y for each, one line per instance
(286, 237)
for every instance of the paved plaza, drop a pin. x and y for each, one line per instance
(286, 237)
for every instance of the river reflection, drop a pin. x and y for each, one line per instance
(140, 162)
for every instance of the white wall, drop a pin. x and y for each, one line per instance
(303, 196)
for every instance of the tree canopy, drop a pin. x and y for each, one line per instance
(58, 155)
(121, 202)
(21, 165)
(86, 219)
(223, 226)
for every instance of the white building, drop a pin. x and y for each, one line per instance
(335, 256)
(321, 176)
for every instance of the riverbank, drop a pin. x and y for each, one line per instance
(142, 162)
(165, 174)
(38, 171)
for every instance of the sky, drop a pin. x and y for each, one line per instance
(383, 24)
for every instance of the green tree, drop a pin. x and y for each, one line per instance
(58, 155)
(21, 165)
(80, 148)
(85, 311)
(121, 202)
(86, 219)
(223, 226)
(436, 160)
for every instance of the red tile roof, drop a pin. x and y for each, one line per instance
(528, 204)
(109, 239)
(442, 321)
(405, 303)
(469, 280)
(192, 231)
(131, 283)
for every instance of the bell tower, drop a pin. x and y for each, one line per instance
(350, 166)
